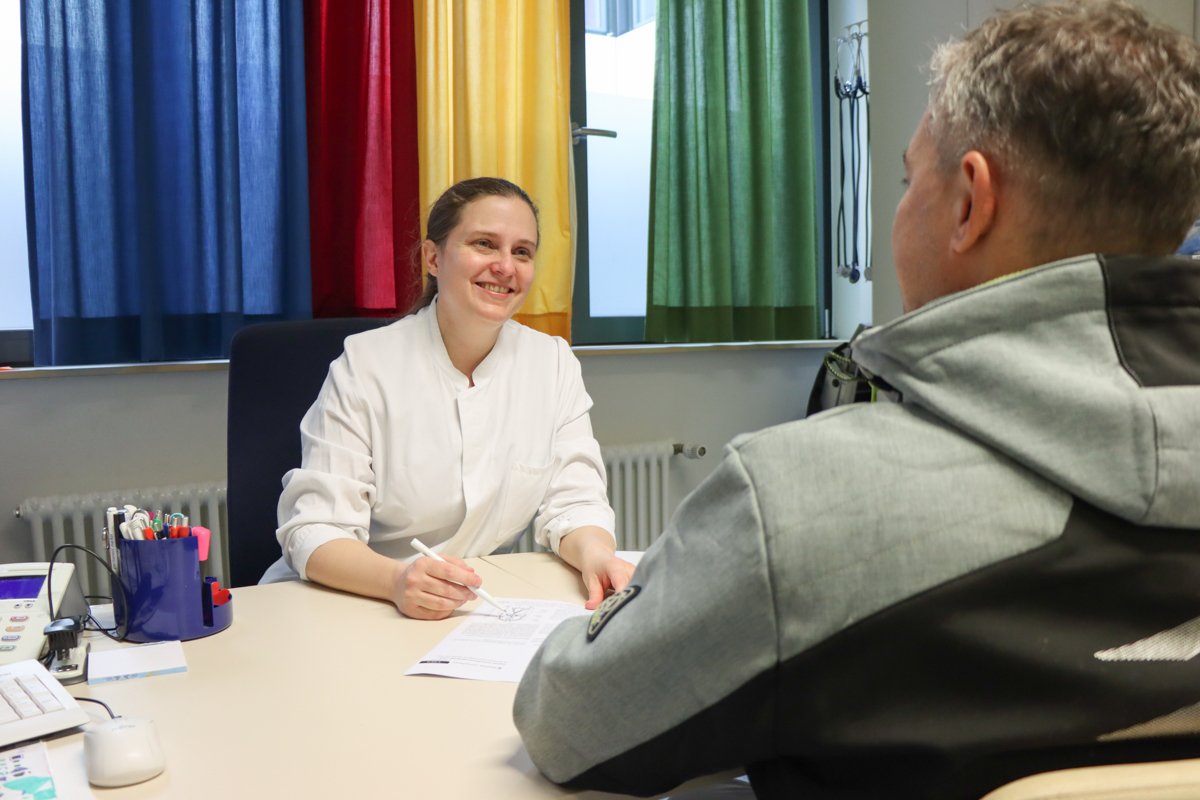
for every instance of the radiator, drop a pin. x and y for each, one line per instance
(79, 519)
(639, 489)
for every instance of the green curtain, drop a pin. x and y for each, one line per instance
(733, 186)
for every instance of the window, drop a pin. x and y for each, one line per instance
(616, 17)
(16, 309)
(612, 89)
(613, 59)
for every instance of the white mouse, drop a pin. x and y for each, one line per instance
(121, 751)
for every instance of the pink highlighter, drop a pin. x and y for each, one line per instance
(205, 536)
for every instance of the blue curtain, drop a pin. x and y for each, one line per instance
(166, 175)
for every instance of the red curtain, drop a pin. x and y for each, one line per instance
(364, 197)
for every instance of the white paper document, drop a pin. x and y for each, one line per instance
(140, 661)
(487, 646)
(25, 773)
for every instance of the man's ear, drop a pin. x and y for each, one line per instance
(429, 253)
(977, 203)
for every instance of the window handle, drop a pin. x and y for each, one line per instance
(578, 133)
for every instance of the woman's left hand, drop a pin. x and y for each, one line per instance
(591, 551)
(611, 575)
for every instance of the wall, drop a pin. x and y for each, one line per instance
(78, 432)
(902, 39)
(87, 430)
(851, 301)
(83, 432)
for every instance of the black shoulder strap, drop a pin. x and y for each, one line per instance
(841, 380)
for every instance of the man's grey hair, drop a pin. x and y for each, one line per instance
(1088, 103)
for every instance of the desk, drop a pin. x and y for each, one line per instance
(304, 696)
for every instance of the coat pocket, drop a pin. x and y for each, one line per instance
(524, 491)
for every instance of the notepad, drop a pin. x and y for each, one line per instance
(25, 772)
(141, 661)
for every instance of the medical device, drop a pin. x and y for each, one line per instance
(37, 605)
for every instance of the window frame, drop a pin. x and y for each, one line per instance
(16, 348)
(589, 330)
(586, 329)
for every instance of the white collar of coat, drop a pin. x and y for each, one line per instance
(491, 364)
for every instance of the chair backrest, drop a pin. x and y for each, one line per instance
(275, 372)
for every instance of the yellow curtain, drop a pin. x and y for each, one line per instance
(493, 98)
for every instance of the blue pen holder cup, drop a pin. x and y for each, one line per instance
(164, 593)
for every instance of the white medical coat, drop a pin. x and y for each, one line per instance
(399, 445)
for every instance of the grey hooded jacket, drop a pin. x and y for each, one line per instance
(924, 598)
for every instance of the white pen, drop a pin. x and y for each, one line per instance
(480, 592)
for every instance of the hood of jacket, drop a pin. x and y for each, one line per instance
(1086, 371)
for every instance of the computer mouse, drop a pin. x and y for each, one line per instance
(122, 751)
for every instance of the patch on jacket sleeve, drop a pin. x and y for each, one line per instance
(609, 608)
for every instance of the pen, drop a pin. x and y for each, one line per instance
(480, 593)
(112, 516)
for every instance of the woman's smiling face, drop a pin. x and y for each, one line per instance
(485, 266)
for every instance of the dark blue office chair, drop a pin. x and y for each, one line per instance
(275, 372)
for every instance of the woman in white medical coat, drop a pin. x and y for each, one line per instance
(454, 425)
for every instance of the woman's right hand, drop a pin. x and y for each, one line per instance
(431, 589)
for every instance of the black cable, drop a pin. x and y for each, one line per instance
(861, 163)
(98, 702)
(850, 111)
(855, 167)
(111, 633)
(841, 213)
(867, 225)
(866, 94)
(114, 581)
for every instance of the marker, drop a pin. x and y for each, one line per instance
(205, 537)
(177, 526)
(480, 593)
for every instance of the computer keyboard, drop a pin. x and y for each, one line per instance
(34, 704)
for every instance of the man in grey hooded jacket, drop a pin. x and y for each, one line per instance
(1000, 573)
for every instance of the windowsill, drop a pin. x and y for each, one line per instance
(701, 347)
(585, 350)
(113, 369)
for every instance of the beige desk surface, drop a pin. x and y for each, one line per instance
(304, 696)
